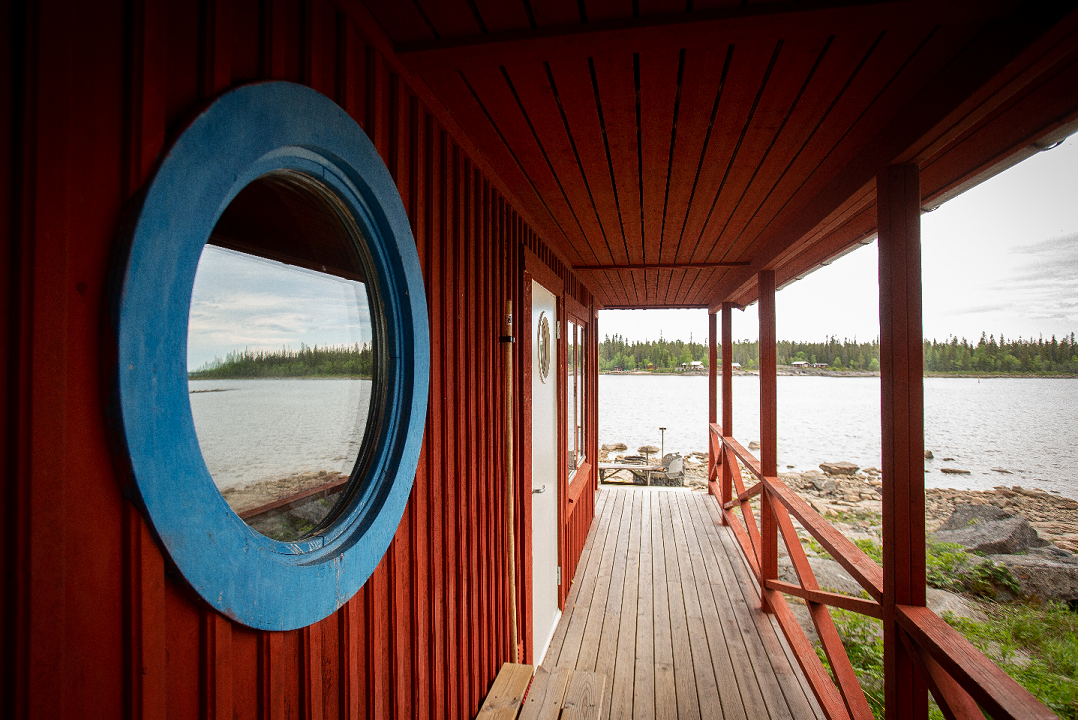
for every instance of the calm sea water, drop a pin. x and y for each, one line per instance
(268, 429)
(1026, 426)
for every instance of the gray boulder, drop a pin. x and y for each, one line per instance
(840, 468)
(1043, 578)
(988, 529)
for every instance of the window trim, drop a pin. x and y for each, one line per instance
(244, 134)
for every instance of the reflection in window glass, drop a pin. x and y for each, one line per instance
(283, 356)
(575, 368)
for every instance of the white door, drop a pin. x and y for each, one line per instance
(544, 361)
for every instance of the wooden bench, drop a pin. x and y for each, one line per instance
(638, 471)
(558, 694)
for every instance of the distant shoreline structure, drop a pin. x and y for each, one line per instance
(787, 371)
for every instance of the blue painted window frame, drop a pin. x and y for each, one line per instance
(245, 134)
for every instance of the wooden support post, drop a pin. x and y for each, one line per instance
(898, 204)
(712, 392)
(727, 396)
(769, 558)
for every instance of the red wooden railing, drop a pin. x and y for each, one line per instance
(957, 674)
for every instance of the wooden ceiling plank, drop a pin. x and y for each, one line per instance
(699, 5)
(992, 140)
(499, 103)
(402, 21)
(767, 193)
(848, 235)
(1058, 45)
(468, 113)
(658, 92)
(855, 206)
(577, 97)
(791, 68)
(528, 207)
(981, 150)
(698, 29)
(886, 59)
(451, 18)
(503, 15)
(599, 10)
(748, 64)
(662, 7)
(994, 48)
(533, 88)
(905, 56)
(617, 92)
(700, 89)
(556, 13)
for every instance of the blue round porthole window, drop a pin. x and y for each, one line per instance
(272, 356)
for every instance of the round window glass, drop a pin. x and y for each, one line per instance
(285, 354)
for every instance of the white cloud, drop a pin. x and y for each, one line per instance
(240, 301)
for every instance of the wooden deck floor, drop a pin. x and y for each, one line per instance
(664, 606)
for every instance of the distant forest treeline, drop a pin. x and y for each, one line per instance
(330, 361)
(950, 356)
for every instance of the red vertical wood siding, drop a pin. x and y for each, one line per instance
(94, 623)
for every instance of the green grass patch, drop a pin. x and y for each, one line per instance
(1037, 646)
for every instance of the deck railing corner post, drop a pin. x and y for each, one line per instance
(727, 405)
(768, 432)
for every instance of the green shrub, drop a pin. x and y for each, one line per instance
(950, 567)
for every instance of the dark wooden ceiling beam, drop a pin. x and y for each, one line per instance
(699, 29)
(663, 266)
(944, 99)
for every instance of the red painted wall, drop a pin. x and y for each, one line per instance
(95, 624)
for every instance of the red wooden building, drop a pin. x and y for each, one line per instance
(609, 154)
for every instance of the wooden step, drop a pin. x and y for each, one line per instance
(558, 694)
(507, 693)
(563, 694)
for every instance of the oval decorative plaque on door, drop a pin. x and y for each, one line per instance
(544, 347)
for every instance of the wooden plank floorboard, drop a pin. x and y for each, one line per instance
(752, 700)
(620, 677)
(665, 694)
(707, 689)
(721, 654)
(753, 624)
(643, 707)
(773, 670)
(688, 702)
(665, 608)
(571, 602)
(607, 652)
(593, 629)
(577, 622)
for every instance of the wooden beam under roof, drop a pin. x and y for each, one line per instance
(698, 29)
(662, 266)
(969, 87)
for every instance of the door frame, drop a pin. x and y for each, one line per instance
(535, 269)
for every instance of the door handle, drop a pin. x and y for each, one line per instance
(540, 490)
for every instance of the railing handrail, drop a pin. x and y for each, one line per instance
(958, 674)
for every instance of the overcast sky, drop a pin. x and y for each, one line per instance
(1000, 258)
(245, 302)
